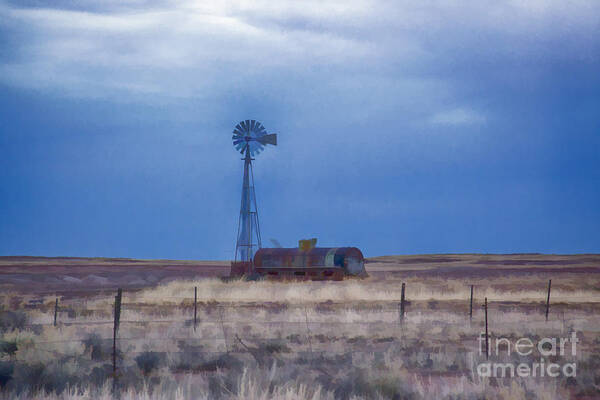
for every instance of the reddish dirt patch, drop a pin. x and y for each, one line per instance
(82, 275)
(78, 275)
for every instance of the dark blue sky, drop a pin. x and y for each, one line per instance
(415, 128)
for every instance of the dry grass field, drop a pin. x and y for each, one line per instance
(295, 340)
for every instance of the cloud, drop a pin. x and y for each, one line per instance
(458, 116)
(188, 48)
(176, 51)
(359, 60)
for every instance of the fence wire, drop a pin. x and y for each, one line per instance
(324, 309)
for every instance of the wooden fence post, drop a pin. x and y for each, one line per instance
(548, 300)
(223, 328)
(115, 332)
(402, 303)
(471, 305)
(308, 333)
(55, 310)
(195, 306)
(487, 348)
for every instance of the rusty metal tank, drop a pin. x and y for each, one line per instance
(328, 263)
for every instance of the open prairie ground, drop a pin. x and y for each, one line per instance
(300, 340)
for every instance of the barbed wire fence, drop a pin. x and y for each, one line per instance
(221, 317)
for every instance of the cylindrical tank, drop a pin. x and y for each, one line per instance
(350, 259)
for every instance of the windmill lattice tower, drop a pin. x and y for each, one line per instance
(249, 138)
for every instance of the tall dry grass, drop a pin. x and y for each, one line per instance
(368, 290)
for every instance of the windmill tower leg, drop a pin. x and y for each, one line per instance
(248, 240)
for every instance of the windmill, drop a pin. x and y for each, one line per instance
(306, 262)
(249, 138)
